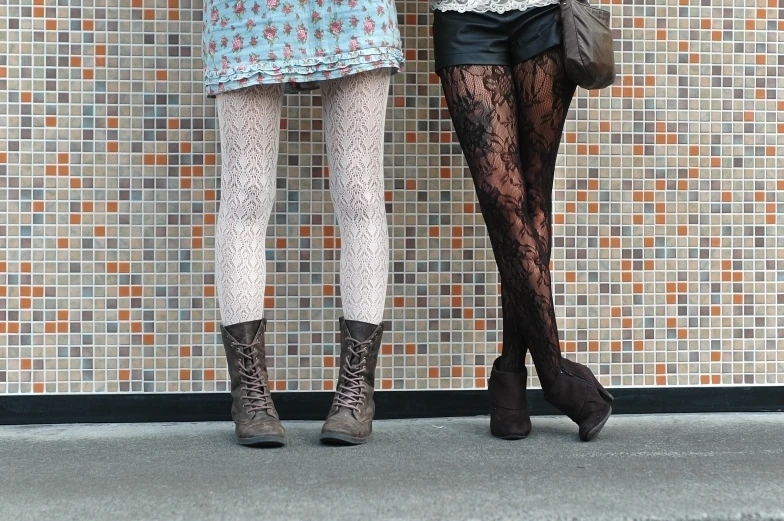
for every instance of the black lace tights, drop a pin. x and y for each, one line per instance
(509, 122)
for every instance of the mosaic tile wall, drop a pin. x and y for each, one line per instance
(669, 258)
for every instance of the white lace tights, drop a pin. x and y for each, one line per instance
(354, 114)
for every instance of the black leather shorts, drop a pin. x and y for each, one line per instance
(494, 39)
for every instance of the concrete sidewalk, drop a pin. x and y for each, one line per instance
(687, 467)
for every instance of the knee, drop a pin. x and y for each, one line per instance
(250, 201)
(359, 197)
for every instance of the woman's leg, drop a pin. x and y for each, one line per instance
(544, 93)
(354, 116)
(249, 121)
(485, 112)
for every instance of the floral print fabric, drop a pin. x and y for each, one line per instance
(296, 42)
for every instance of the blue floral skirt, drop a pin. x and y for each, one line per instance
(296, 42)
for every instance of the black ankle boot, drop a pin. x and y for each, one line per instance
(509, 419)
(580, 399)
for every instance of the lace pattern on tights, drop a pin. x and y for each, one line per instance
(354, 115)
(509, 122)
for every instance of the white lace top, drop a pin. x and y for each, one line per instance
(483, 6)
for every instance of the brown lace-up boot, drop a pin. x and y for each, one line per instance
(350, 419)
(256, 421)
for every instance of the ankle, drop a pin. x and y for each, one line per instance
(510, 364)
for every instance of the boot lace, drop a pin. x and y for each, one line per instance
(256, 396)
(349, 390)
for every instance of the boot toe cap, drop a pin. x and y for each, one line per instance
(261, 431)
(510, 424)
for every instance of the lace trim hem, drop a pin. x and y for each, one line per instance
(485, 6)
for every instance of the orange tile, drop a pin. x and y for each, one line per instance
(468, 313)
(479, 325)
(433, 372)
(161, 75)
(185, 374)
(25, 303)
(639, 345)
(329, 385)
(329, 361)
(209, 327)
(209, 374)
(411, 184)
(51, 25)
(705, 379)
(716, 379)
(209, 291)
(386, 384)
(26, 364)
(457, 372)
(124, 314)
(38, 387)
